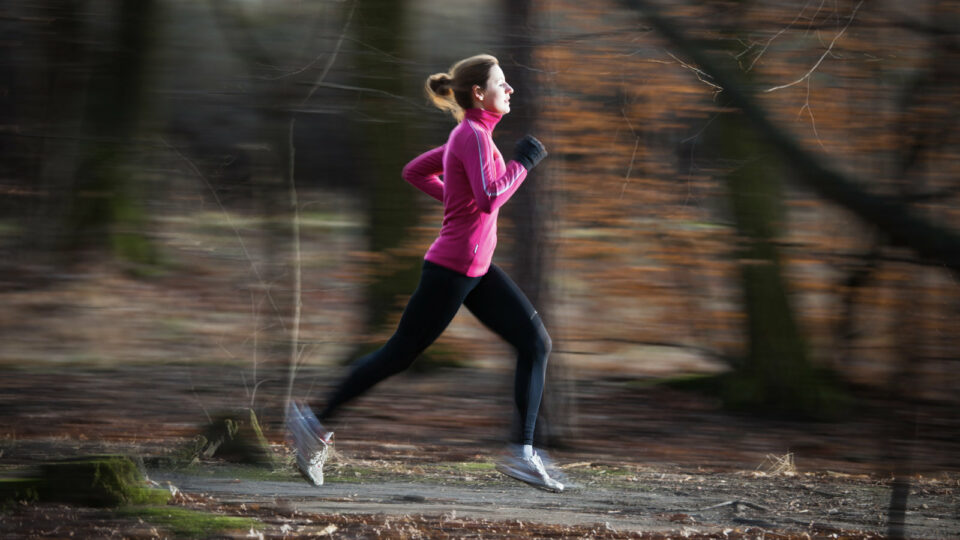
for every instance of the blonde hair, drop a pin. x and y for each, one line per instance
(453, 91)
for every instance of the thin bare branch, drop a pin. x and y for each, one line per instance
(930, 240)
(295, 350)
(297, 285)
(255, 308)
(775, 36)
(813, 121)
(337, 86)
(626, 179)
(699, 73)
(233, 227)
(829, 50)
(814, 18)
(333, 56)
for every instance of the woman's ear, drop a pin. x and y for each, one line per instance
(477, 92)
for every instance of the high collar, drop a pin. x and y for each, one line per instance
(486, 118)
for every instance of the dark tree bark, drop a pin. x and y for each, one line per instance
(106, 209)
(391, 203)
(776, 373)
(531, 208)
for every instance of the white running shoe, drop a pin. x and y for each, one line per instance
(529, 470)
(311, 441)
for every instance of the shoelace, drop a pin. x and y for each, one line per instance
(538, 465)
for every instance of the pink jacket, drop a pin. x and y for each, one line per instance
(476, 182)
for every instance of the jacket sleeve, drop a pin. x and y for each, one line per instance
(424, 172)
(490, 191)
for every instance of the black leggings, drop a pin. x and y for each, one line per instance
(495, 300)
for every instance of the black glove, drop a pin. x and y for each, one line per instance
(529, 151)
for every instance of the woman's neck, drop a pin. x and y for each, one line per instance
(487, 118)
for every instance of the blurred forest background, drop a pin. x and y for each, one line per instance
(760, 193)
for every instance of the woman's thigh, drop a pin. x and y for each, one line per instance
(501, 306)
(434, 303)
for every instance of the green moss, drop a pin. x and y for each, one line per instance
(97, 481)
(15, 490)
(473, 466)
(184, 522)
(237, 437)
(145, 495)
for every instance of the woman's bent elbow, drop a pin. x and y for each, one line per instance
(407, 174)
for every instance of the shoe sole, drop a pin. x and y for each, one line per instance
(522, 477)
(306, 475)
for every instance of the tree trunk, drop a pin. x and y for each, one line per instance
(531, 208)
(107, 209)
(775, 373)
(391, 203)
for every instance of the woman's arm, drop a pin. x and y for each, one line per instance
(424, 172)
(490, 191)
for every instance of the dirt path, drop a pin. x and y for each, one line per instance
(391, 499)
(647, 461)
(648, 502)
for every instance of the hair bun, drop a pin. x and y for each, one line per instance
(441, 84)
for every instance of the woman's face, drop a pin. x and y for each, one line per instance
(496, 96)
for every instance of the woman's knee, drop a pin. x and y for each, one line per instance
(544, 343)
(538, 343)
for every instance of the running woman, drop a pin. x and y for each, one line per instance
(472, 180)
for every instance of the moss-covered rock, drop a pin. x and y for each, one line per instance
(18, 490)
(109, 480)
